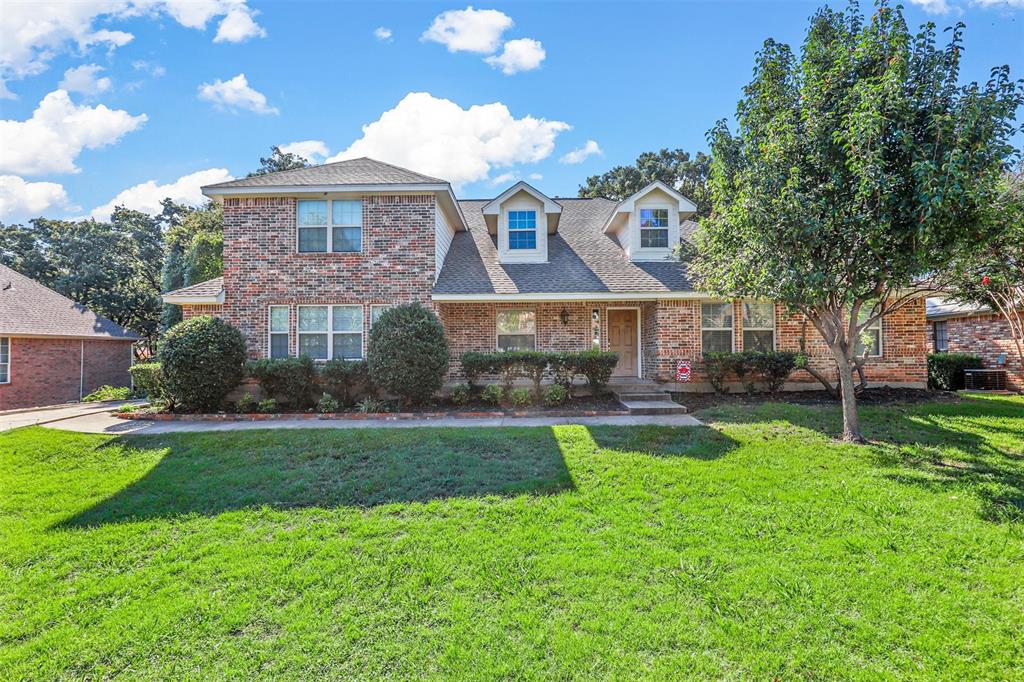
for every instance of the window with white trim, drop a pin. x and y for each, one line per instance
(654, 228)
(758, 326)
(716, 327)
(331, 331)
(330, 225)
(517, 329)
(522, 230)
(376, 311)
(873, 332)
(5, 360)
(278, 330)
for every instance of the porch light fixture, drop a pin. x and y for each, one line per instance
(564, 316)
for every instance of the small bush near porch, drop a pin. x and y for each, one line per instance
(754, 548)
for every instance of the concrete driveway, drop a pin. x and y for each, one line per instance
(51, 415)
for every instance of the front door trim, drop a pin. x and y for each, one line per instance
(639, 339)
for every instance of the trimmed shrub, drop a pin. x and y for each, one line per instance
(718, 366)
(556, 395)
(459, 394)
(408, 352)
(563, 368)
(532, 364)
(597, 366)
(202, 360)
(246, 404)
(520, 397)
(267, 406)
(492, 394)
(288, 379)
(773, 367)
(327, 404)
(476, 364)
(946, 370)
(148, 380)
(345, 378)
(108, 393)
(509, 366)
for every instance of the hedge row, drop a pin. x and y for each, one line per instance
(771, 368)
(299, 382)
(564, 367)
(946, 370)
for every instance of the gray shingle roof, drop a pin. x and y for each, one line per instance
(211, 287)
(942, 307)
(363, 171)
(27, 308)
(581, 259)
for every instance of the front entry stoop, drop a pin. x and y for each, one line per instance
(645, 398)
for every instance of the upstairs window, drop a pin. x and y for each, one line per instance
(5, 360)
(517, 330)
(759, 326)
(522, 230)
(278, 331)
(327, 332)
(716, 327)
(941, 337)
(654, 228)
(873, 334)
(330, 225)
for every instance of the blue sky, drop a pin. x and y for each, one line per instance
(132, 102)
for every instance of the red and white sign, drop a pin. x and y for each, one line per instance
(683, 368)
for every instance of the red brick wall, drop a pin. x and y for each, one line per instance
(47, 371)
(262, 266)
(984, 335)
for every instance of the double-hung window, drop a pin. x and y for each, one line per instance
(330, 225)
(654, 228)
(376, 311)
(941, 330)
(331, 331)
(517, 330)
(716, 327)
(278, 326)
(522, 230)
(5, 360)
(873, 334)
(759, 326)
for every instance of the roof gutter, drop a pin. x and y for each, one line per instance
(215, 299)
(576, 296)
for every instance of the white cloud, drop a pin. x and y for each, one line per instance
(469, 30)
(58, 131)
(536, 177)
(238, 26)
(34, 33)
(147, 196)
(933, 6)
(20, 199)
(580, 154)
(83, 79)
(235, 94)
(310, 150)
(151, 68)
(438, 137)
(504, 178)
(1006, 4)
(382, 33)
(524, 54)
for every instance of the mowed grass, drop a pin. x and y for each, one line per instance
(754, 548)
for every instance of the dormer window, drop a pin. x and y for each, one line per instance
(654, 228)
(522, 230)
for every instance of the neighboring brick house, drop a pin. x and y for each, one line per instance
(964, 328)
(53, 350)
(312, 255)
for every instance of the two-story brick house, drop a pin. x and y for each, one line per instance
(312, 255)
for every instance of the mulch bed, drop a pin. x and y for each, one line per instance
(882, 395)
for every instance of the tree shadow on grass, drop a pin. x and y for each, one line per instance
(211, 473)
(693, 442)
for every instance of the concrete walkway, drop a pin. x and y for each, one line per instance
(104, 422)
(47, 415)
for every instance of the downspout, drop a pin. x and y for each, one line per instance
(81, 372)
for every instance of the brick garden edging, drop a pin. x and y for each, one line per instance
(359, 416)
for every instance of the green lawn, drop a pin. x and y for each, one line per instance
(755, 548)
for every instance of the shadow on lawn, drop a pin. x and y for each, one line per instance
(939, 447)
(210, 473)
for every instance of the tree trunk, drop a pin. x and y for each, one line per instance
(851, 420)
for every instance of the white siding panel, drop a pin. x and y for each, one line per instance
(442, 240)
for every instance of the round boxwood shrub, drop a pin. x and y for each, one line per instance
(202, 360)
(408, 354)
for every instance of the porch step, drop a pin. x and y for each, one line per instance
(654, 407)
(634, 395)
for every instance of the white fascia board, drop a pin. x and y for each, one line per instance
(572, 296)
(493, 207)
(217, 299)
(319, 189)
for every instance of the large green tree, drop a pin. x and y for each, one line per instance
(674, 167)
(194, 240)
(857, 170)
(279, 161)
